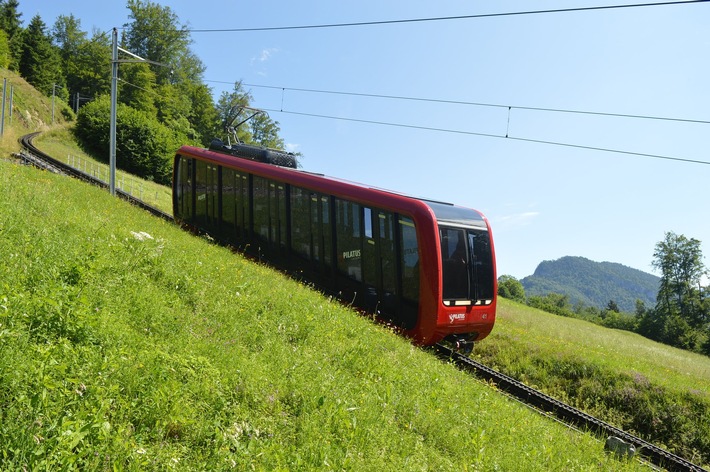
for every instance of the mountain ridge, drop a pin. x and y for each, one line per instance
(593, 283)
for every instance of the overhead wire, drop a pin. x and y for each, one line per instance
(442, 18)
(479, 104)
(489, 135)
(474, 133)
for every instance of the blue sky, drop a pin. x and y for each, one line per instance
(544, 201)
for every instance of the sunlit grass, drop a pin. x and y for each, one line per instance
(128, 344)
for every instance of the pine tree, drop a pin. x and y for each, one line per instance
(40, 64)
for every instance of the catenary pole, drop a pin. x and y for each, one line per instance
(112, 137)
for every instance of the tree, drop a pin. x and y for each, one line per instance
(5, 56)
(88, 73)
(510, 287)
(265, 131)
(233, 110)
(612, 306)
(137, 88)
(11, 23)
(680, 261)
(155, 34)
(40, 64)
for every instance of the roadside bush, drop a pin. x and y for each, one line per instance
(144, 146)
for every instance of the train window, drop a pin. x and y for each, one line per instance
(370, 257)
(229, 212)
(184, 188)
(387, 253)
(467, 262)
(242, 204)
(213, 216)
(348, 238)
(280, 220)
(409, 259)
(367, 221)
(325, 239)
(482, 261)
(201, 192)
(260, 197)
(235, 204)
(301, 232)
(454, 261)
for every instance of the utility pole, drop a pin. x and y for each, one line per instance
(114, 92)
(112, 137)
(2, 114)
(54, 87)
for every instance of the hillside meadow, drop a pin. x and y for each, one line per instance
(653, 390)
(128, 344)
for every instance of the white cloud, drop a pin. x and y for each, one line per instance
(264, 55)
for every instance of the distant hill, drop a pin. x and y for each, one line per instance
(593, 283)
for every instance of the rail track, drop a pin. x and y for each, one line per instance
(530, 396)
(31, 155)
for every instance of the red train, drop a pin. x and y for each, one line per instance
(427, 268)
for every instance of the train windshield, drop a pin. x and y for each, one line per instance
(467, 264)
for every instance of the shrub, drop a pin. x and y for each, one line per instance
(144, 146)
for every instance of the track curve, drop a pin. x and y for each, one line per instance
(34, 156)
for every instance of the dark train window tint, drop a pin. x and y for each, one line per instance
(409, 259)
(482, 259)
(242, 204)
(326, 235)
(184, 187)
(370, 260)
(467, 264)
(348, 239)
(201, 191)
(301, 233)
(261, 207)
(387, 253)
(229, 212)
(454, 259)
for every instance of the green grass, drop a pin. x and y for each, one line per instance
(125, 352)
(659, 392)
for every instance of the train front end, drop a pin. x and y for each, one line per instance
(467, 287)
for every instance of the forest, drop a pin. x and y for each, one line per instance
(162, 100)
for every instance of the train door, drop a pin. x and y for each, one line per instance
(379, 263)
(348, 244)
(206, 196)
(311, 240)
(408, 259)
(270, 224)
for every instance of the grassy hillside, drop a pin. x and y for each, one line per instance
(128, 344)
(659, 392)
(31, 111)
